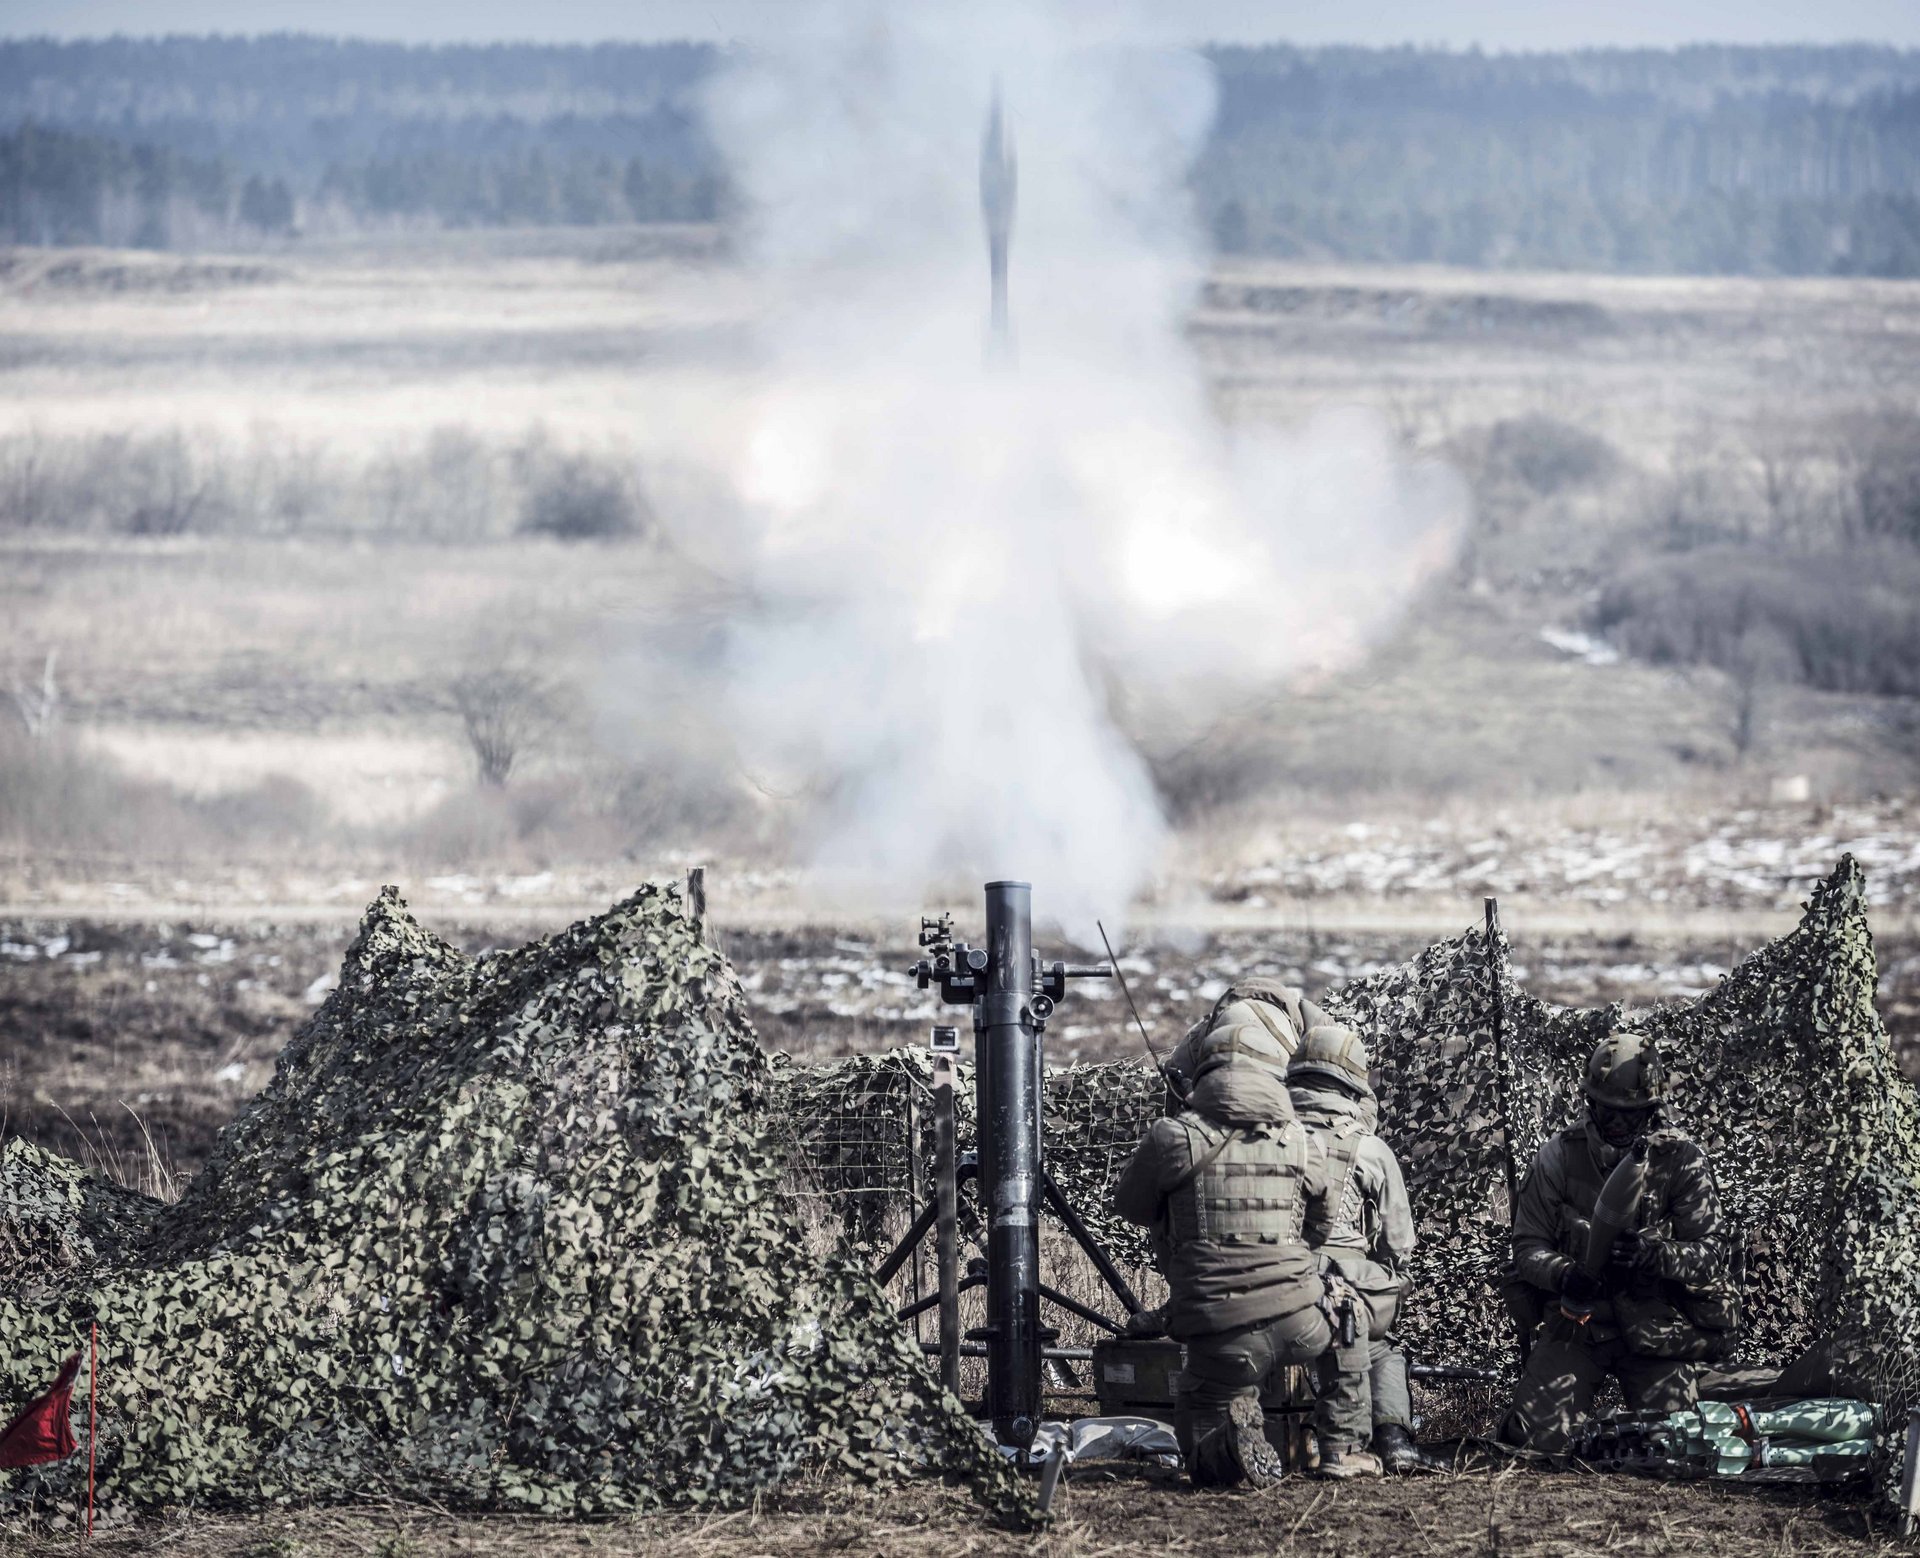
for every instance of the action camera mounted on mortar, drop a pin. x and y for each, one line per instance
(1012, 995)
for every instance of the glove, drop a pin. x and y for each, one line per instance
(1578, 1288)
(1148, 1322)
(1635, 1257)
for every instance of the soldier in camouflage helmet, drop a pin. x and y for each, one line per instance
(1368, 1229)
(1658, 1306)
(1226, 1185)
(1269, 1016)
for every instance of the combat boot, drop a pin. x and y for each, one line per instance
(1396, 1449)
(1344, 1464)
(1259, 1462)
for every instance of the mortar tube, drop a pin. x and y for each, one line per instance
(1006, 1059)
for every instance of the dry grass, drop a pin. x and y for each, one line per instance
(1102, 1511)
(407, 390)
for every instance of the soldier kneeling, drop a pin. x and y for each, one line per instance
(1368, 1230)
(1226, 1186)
(1660, 1304)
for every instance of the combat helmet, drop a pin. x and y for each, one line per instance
(1334, 1052)
(1263, 990)
(1625, 1071)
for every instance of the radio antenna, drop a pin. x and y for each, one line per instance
(1114, 963)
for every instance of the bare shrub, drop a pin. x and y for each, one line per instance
(578, 497)
(452, 485)
(54, 795)
(452, 488)
(1706, 497)
(678, 800)
(1880, 456)
(29, 480)
(1538, 454)
(504, 710)
(1759, 659)
(1843, 621)
(278, 809)
(599, 810)
(1798, 477)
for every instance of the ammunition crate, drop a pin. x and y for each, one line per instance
(1137, 1375)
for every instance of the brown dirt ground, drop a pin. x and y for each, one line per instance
(1117, 1510)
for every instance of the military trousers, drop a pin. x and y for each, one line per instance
(1556, 1392)
(1392, 1392)
(1225, 1366)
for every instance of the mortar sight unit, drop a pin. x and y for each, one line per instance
(1012, 994)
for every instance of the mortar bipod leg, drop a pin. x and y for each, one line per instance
(924, 1219)
(1083, 1236)
(916, 1231)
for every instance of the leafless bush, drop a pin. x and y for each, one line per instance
(1798, 478)
(167, 487)
(576, 497)
(1880, 457)
(1705, 497)
(454, 488)
(503, 710)
(1758, 660)
(1845, 620)
(1546, 455)
(1516, 465)
(450, 485)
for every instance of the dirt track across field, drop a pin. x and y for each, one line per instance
(1120, 1511)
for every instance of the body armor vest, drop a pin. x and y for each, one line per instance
(1342, 1130)
(1249, 1186)
(1352, 1226)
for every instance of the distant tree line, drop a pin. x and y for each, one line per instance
(61, 188)
(1794, 160)
(1639, 162)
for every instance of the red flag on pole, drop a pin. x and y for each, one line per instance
(42, 1433)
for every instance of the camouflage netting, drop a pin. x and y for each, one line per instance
(1782, 1073)
(507, 1231)
(535, 1230)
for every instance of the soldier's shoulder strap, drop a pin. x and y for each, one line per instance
(1229, 1135)
(1344, 1142)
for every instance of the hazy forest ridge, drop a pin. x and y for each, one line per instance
(1786, 160)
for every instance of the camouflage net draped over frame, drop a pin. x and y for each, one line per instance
(1783, 1074)
(530, 1230)
(501, 1232)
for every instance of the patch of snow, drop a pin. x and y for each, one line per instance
(1581, 646)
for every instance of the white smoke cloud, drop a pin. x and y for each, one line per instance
(948, 561)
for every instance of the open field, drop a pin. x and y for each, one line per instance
(263, 515)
